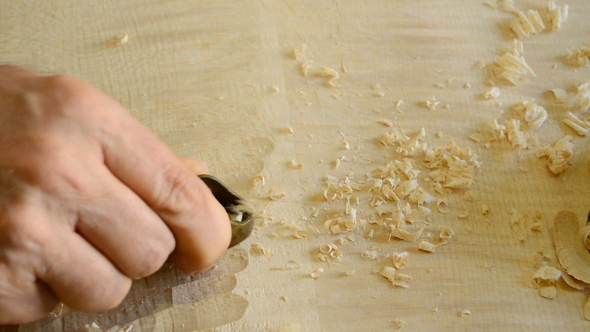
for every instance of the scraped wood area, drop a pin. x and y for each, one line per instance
(405, 158)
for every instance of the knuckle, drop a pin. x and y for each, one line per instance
(104, 297)
(176, 196)
(155, 257)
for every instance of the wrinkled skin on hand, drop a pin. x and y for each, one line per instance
(90, 199)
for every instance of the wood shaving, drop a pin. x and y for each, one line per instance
(274, 89)
(291, 265)
(258, 249)
(548, 292)
(467, 86)
(573, 282)
(476, 137)
(546, 276)
(560, 95)
(299, 53)
(587, 309)
(570, 245)
(296, 165)
(431, 103)
(426, 246)
(386, 123)
(465, 313)
(370, 255)
(534, 114)
(581, 127)
(445, 235)
(584, 96)
(557, 15)
(512, 67)
(493, 93)
(537, 227)
(315, 274)
(527, 25)
(558, 155)
(578, 57)
(350, 273)
(305, 67)
(400, 260)
(403, 234)
(331, 76)
(274, 197)
(121, 40)
(284, 298)
(485, 209)
(442, 206)
(396, 279)
(516, 136)
(398, 104)
(480, 64)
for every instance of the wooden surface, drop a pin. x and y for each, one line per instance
(201, 74)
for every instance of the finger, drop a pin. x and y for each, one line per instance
(197, 220)
(119, 224)
(80, 275)
(195, 166)
(23, 298)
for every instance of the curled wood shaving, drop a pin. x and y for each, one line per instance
(559, 155)
(546, 275)
(573, 282)
(331, 76)
(493, 93)
(442, 207)
(400, 259)
(121, 40)
(578, 57)
(465, 313)
(274, 197)
(534, 115)
(403, 234)
(587, 309)
(445, 235)
(570, 245)
(485, 209)
(560, 95)
(426, 246)
(296, 165)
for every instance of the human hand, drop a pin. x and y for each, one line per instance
(90, 199)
